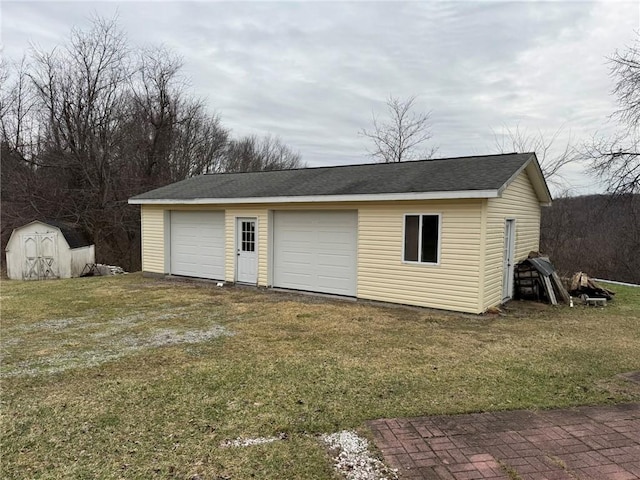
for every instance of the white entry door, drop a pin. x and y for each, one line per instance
(509, 260)
(246, 251)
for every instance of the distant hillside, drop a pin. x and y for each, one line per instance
(596, 234)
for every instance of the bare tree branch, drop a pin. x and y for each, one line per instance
(401, 136)
(251, 154)
(88, 124)
(552, 158)
(616, 159)
(625, 68)
(17, 111)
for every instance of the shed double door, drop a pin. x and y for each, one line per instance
(40, 253)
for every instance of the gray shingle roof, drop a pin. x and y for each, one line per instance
(75, 236)
(438, 175)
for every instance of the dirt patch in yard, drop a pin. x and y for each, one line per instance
(90, 340)
(631, 376)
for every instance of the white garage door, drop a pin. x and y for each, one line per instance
(197, 244)
(316, 251)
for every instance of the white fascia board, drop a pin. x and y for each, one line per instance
(379, 197)
(536, 178)
(515, 175)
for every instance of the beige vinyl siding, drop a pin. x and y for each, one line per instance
(152, 224)
(452, 284)
(518, 201)
(154, 230)
(468, 277)
(231, 216)
(261, 211)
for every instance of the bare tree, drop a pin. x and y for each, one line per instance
(551, 156)
(87, 125)
(16, 109)
(568, 227)
(402, 136)
(156, 98)
(250, 154)
(200, 143)
(174, 136)
(625, 68)
(80, 88)
(617, 159)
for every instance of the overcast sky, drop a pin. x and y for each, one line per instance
(314, 72)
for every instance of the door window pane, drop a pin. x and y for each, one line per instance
(248, 236)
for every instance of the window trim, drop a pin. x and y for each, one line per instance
(404, 239)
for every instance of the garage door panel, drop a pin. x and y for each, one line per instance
(329, 239)
(332, 276)
(197, 244)
(334, 261)
(299, 281)
(330, 284)
(330, 281)
(316, 251)
(295, 239)
(297, 258)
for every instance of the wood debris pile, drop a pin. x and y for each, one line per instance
(99, 269)
(582, 284)
(536, 279)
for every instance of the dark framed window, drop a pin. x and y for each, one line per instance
(421, 238)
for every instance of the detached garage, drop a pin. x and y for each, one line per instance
(442, 233)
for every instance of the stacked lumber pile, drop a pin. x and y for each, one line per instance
(536, 277)
(582, 284)
(99, 269)
(528, 284)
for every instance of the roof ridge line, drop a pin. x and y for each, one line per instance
(373, 163)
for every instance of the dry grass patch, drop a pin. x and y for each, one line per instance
(134, 378)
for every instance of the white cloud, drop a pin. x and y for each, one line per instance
(313, 72)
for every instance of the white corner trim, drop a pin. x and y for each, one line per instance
(374, 197)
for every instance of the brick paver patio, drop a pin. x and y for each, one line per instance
(597, 443)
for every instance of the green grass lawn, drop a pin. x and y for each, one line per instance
(127, 377)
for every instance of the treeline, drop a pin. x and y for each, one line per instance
(91, 123)
(596, 234)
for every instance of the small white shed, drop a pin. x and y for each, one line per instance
(46, 250)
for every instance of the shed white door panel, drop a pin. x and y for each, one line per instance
(40, 256)
(316, 251)
(197, 244)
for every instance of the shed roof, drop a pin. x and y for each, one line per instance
(461, 177)
(75, 235)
